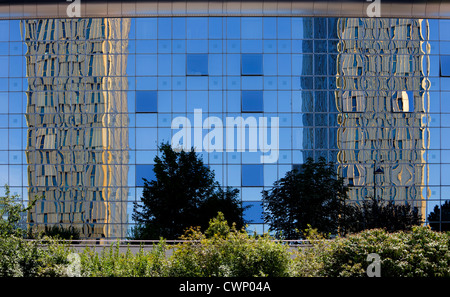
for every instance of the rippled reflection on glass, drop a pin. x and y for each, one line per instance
(77, 136)
(85, 103)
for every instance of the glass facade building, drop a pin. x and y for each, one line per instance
(86, 102)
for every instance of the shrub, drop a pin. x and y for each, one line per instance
(21, 258)
(113, 263)
(228, 252)
(418, 253)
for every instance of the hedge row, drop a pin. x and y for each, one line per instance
(224, 251)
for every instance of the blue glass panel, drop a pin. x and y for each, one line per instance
(146, 28)
(144, 171)
(233, 62)
(252, 175)
(252, 101)
(146, 101)
(4, 69)
(444, 32)
(251, 28)
(4, 48)
(320, 64)
(284, 46)
(178, 64)
(320, 46)
(270, 46)
(252, 64)
(284, 28)
(164, 64)
(233, 101)
(146, 46)
(215, 46)
(252, 82)
(179, 46)
(215, 27)
(233, 28)
(164, 28)
(284, 64)
(165, 101)
(197, 46)
(445, 65)
(254, 213)
(270, 27)
(179, 28)
(14, 30)
(197, 64)
(252, 46)
(146, 65)
(320, 28)
(284, 101)
(215, 67)
(270, 64)
(164, 46)
(197, 28)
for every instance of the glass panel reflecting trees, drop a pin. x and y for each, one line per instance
(85, 103)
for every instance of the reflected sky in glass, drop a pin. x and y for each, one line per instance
(338, 92)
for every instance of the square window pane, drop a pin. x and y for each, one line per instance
(215, 27)
(270, 27)
(197, 64)
(252, 175)
(254, 213)
(252, 101)
(146, 28)
(146, 101)
(445, 65)
(144, 171)
(252, 64)
(179, 28)
(251, 27)
(197, 28)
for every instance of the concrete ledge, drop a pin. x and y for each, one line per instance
(324, 8)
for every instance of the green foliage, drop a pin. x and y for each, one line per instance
(23, 258)
(19, 257)
(225, 251)
(228, 252)
(183, 194)
(11, 212)
(218, 226)
(314, 195)
(417, 253)
(113, 263)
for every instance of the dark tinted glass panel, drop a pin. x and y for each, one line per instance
(146, 101)
(252, 175)
(144, 171)
(445, 66)
(252, 101)
(197, 64)
(252, 64)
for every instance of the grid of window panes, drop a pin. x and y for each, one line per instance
(283, 67)
(231, 67)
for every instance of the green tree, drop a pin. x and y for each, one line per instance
(313, 195)
(439, 218)
(12, 213)
(378, 213)
(184, 193)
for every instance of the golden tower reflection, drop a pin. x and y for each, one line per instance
(380, 96)
(77, 141)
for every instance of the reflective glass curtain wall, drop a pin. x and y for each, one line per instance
(87, 101)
